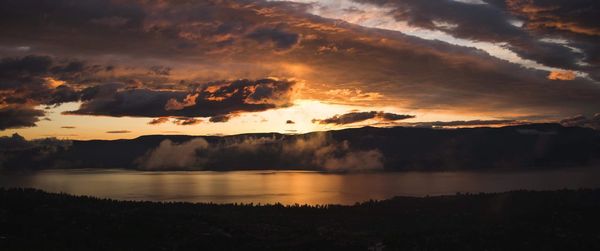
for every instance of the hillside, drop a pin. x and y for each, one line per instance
(521, 220)
(368, 148)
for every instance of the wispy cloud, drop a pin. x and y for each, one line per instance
(119, 131)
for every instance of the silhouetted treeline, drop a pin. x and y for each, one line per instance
(368, 148)
(521, 220)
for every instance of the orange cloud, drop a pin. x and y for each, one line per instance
(189, 100)
(562, 75)
(158, 121)
(548, 16)
(567, 26)
(187, 121)
(53, 83)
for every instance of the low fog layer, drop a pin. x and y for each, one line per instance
(361, 149)
(316, 150)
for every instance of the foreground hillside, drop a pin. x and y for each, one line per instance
(392, 149)
(558, 220)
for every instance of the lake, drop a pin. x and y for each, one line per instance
(289, 187)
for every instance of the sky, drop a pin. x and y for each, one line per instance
(108, 69)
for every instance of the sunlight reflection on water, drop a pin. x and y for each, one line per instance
(289, 187)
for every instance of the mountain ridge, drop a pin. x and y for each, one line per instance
(389, 149)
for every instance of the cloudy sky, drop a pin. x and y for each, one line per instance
(123, 68)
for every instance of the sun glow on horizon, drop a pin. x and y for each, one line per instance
(294, 119)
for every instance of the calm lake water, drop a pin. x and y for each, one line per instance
(289, 187)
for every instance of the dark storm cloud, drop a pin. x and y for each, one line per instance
(347, 118)
(219, 118)
(160, 70)
(574, 16)
(40, 79)
(575, 20)
(17, 117)
(214, 99)
(207, 40)
(386, 116)
(186, 121)
(281, 39)
(48, 21)
(482, 22)
(158, 121)
(106, 90)
(32, 80)
(354, 117)
(62, 94)
(450, 77)
(453, 16)
(166, 29)
(19, 71)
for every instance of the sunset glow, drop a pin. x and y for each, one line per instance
(299, 124)
(281, 66)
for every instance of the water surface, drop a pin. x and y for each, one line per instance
(289, 187)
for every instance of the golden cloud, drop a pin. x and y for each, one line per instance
(562, 75)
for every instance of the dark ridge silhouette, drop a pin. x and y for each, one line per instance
(520, 220)
(390, 149)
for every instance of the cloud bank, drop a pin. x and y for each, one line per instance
(211, 100)
(169, 155)
(215, 59)
(317, 150)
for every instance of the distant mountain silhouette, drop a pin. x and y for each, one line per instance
(368, 148)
